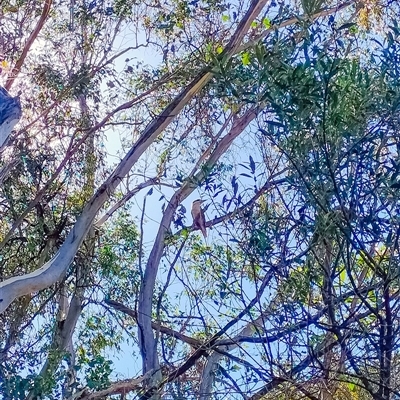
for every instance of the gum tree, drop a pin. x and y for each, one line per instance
(282, 117)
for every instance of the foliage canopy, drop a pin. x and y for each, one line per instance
(283, 117)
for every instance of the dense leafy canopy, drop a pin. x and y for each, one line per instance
(283, 117)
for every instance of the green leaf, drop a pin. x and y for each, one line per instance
(354, 29)
(351, 386)
(267, 23)
(246, 58)
(252, 164)
(346, 26)
(226, 18)
(342, 276)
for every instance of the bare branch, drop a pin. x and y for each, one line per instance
(156, 326)
(18, 65)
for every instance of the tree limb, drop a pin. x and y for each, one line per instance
(55, 269)
(18, 65)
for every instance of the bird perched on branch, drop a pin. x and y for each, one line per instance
(10, 113)
(199, 221)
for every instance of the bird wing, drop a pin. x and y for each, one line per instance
(202, 224)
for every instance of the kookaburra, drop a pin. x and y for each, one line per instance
(199, 220)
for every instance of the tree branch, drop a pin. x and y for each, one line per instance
(18, 65)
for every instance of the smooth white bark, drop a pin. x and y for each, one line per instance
(54, 270)
(147, 341)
